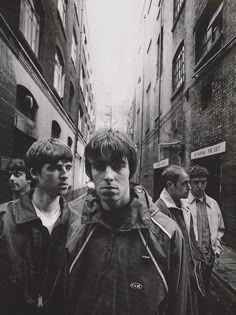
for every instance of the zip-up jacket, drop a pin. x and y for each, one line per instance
(138, 268)
(196, 258)
(31, 260)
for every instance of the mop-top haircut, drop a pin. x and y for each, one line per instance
(49, 151)
(110, 147)
(198, 171)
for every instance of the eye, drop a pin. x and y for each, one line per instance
(99, 166)
(118, 166)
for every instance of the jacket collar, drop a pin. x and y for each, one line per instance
(169, 202)
(25, 210)
(138, 213)
(191, 199)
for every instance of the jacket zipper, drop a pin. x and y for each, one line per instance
(40, 300)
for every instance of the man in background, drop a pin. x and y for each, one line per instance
(207, 219)
(177, 185)
(19, 178)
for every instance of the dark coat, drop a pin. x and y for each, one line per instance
(31, 261)
(137, 268)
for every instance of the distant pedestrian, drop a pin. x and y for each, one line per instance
(33, 233)
(125, 257)
(19, 178)
(177, 185)
(207, 218)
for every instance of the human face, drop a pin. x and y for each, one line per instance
(18, 182)
(181, 188)
(53, 179)
(111, 183)
(198, 185)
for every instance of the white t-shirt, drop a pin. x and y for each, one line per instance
(48, 222)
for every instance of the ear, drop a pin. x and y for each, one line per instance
(169, 184)
(33, 173)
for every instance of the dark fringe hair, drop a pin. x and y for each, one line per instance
(47, 151)
(110, 146)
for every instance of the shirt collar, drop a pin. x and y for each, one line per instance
(191, 199)
(138, 214)
(168, 200)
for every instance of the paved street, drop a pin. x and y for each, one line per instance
(223, 286)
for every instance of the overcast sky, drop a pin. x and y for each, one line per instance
(113, 32)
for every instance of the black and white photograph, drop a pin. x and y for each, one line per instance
(117, 157)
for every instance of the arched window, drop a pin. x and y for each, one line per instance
(71, 97)
(25, 102)
(56, 129)
(69, 142)
(59, 76)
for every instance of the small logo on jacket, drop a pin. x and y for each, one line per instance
(136, 286)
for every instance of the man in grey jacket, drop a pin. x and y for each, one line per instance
(177, 185)
(124, 256)
(207, 218)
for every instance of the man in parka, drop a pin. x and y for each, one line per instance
(125, 256)
(177, 185)
(33, 233)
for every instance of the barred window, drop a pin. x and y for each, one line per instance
(178, 67)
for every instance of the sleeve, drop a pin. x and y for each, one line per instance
(179, 285)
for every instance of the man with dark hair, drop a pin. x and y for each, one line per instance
(207, 219)
(33, 233)
(19, 178)
(125, 256)
(176, 182)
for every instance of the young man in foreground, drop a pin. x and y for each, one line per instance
(33, 232)
(125, 257)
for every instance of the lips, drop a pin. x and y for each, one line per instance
(108, 187)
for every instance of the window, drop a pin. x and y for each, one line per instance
(177, 7)
(159, 54)
(55, 130)
(206, 95)
(209, 30)
(148, 108)
(61, 6)
(69, 142)
(74, 47)
(29, 24)
(71, 96)
(59, 76)
(25, 102)
(80, 119)
(178, 68)
(82, 77)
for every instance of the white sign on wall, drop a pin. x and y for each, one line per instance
(215, 149)
(161, 163)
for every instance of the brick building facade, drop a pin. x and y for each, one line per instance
(43, 90)
(183, 110)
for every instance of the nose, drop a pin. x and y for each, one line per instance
(12, 178)
(108, 174)
(189, 186)
(64, 172)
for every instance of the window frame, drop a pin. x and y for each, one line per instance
(178, 74)
(59, 75)
(30, 24)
